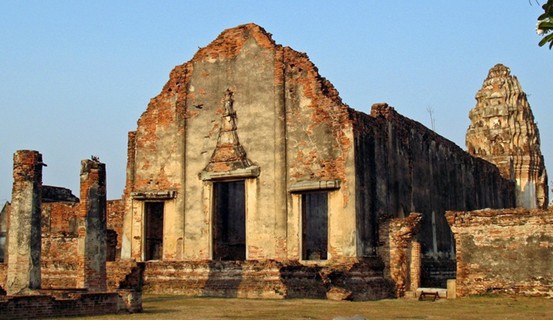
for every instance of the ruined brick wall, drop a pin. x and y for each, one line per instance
(400, 252)
(403, 166)
(59, 218)
(45, 306)
(290, 124)
(115, 214)
(59, 244)
(507, 250)
(59, 261)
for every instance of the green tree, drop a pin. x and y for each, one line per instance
(545, 24)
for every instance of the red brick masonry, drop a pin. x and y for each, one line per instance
(505, 251)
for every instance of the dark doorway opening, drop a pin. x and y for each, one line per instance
(229, 221)
(314, 212)
(153, 248)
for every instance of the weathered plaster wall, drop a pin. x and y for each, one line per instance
(240, 60)
(507, 250)
(319, 138)
(404, 167)
(290, 123)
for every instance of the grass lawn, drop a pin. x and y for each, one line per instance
(481, 307)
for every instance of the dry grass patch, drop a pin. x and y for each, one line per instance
(482, 307)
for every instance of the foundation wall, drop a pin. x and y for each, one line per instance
(45, 306)
(267, 279)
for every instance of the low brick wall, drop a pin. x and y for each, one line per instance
(505, 251)
(45, 306)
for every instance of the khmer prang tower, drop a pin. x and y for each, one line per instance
(503, 132)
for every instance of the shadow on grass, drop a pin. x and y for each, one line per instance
(158, 311)
(164, 298)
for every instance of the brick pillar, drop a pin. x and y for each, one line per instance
(415, 266)
(401, 233)
(92, 227)
(24, 237)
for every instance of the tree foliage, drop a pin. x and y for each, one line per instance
(545, 24)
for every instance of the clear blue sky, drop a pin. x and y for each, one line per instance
(75, 76)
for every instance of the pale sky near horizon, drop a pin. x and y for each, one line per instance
(75, 76)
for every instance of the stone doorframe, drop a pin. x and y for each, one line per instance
(139, 200)
(250, 202)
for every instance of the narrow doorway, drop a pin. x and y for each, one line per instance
(314, 210)
(229, 221)
(153, 247)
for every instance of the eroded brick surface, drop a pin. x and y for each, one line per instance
(505, 251)
(401, 259)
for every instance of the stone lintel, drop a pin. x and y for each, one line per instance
(315, 185)
(248, 172)
(154, 195)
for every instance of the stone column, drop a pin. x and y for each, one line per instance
(24, 239)
(92, 229)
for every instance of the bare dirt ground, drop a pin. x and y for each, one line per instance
(481, 307)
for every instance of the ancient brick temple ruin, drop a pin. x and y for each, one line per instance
(503, 132)
(249, 155)
(247, 176)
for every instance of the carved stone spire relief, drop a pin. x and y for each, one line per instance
(503, 132)
(229, 158)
